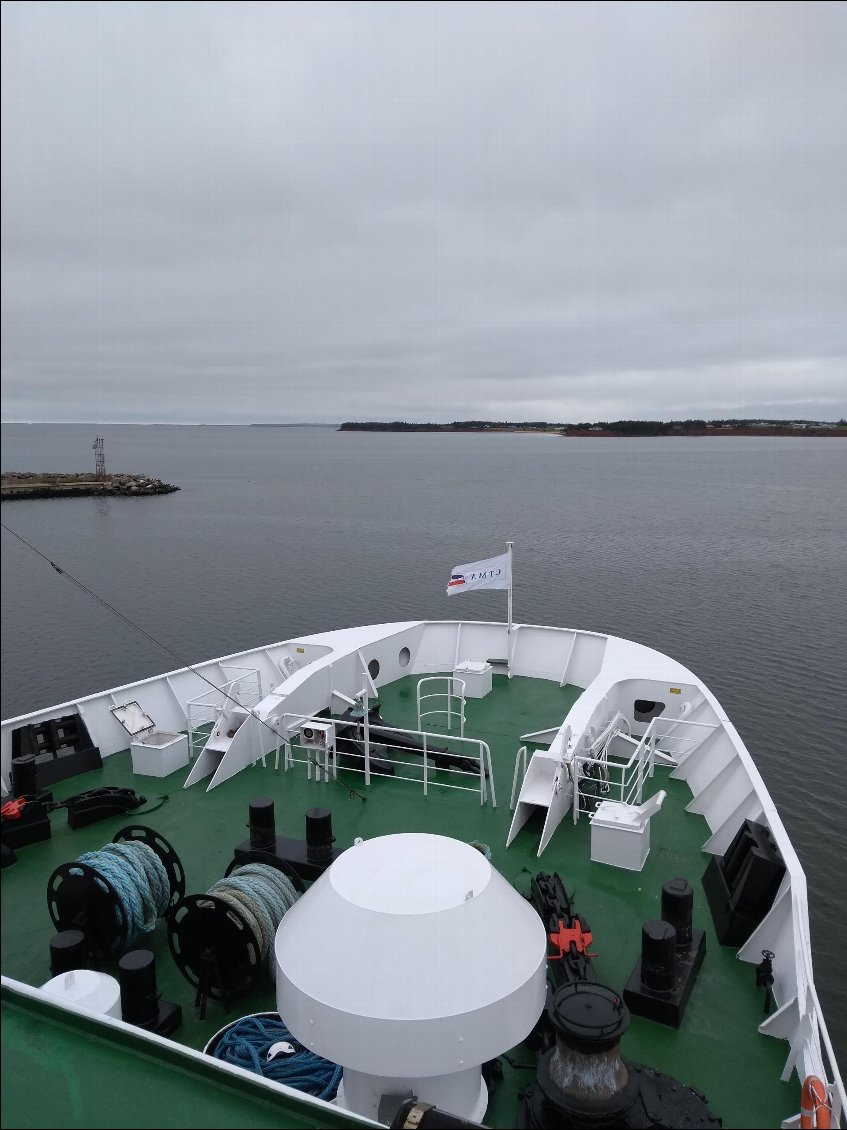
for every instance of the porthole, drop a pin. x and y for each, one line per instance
(373, 668)
(404, 657)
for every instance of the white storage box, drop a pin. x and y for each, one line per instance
(155, 753)
(619, 837)
(476, 676)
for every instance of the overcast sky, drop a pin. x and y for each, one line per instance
(316, 212)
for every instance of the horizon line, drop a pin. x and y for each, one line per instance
(183, 423)
(432, 423)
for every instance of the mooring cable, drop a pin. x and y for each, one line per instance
(169, 651)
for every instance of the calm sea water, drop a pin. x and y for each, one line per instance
(727, 553)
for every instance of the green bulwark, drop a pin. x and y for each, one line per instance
(59, 1070)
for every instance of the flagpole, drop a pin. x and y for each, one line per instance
(509, 545)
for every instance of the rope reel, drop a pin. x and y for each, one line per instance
(115, 895)
(221, 939)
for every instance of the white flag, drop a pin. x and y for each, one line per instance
(493, 573)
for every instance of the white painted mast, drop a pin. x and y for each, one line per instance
(509, 545)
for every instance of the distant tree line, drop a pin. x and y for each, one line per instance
(392, 426)
(680, 427)
(455, 426)
(613, 427)
(640, 427)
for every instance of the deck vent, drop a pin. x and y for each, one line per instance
(417, 999)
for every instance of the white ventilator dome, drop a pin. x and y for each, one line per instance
(411, 962)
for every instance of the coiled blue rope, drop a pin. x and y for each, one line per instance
(248, 1041)
(139, 879)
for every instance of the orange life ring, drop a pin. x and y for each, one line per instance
(814, 1105)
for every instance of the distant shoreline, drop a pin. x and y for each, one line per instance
(816, 432)
(595, 432)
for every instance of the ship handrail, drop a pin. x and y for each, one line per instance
(287, 723)
(651, 736)
(835, 1089)
(632, 773)
(520, 762)
(450, 693)
(205, 708)
(812, 1018)
(810, 1048)
(798, 1018)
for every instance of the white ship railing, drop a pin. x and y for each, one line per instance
(675, 747)
(784, 930)
(518, 775)
(615, 777)
(202, 712)
(611, 777)
(450, 694)
(799, 1018)
(325, 762)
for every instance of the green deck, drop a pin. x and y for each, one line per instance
(717, 1050)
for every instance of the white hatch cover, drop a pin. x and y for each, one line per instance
(134, 720)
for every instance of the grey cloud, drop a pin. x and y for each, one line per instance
(317, 212)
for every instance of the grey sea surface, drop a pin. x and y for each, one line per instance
(726, 553)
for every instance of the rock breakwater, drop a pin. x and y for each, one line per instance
(32, 484)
